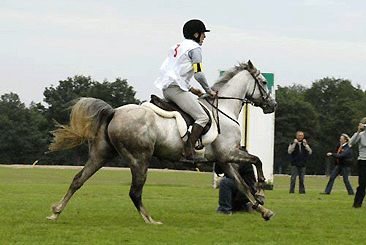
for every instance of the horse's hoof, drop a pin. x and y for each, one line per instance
(268, 215)
(149, 220)
(52, 217)
(154, 222)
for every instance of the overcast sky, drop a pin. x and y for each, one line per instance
(43, 42)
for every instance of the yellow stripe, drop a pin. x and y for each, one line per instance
(246, 112)
(197, 67)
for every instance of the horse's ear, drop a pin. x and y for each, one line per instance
(250, 64)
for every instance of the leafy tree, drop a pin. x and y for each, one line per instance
(339, 104)
(22, 130)
(116, 94)
(62, 97)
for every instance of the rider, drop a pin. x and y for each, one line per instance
(183, 62)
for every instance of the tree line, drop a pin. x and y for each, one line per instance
(25, 131)
(323, 112)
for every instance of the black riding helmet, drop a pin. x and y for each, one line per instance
(193, 26)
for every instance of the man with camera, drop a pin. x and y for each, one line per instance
(360, 138)
(299, 150)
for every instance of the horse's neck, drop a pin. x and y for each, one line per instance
(237, 88)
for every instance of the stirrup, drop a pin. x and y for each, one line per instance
(197, 155)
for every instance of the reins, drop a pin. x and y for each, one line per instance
(215, 105)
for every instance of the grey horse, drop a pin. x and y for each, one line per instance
(137, 134)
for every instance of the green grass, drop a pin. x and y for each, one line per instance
(101, 212)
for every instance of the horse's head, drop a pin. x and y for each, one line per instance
(245, 83)
(260, 95)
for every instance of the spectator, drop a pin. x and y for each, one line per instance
(360, 138)
(299, 151)
(343, 162)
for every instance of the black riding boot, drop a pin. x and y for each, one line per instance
(191, 142)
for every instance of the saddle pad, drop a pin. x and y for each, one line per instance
(207, 138)
(182, 126)
(171, 106)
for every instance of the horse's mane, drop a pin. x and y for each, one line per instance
(229, 74)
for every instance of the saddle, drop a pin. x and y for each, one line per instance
(170, 110)
(171, 106)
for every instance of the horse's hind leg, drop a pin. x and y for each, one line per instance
(99, 155)
(139, 175)
(90, 168)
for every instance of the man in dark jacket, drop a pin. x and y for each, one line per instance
(299, 151)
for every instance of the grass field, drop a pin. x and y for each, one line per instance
(102, 213)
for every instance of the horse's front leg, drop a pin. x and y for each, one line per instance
(240, 156)
(231, 172)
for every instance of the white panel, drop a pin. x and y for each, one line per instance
(260, 136)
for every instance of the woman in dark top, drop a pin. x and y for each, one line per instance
(343, 161)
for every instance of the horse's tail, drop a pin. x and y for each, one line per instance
(86, 118)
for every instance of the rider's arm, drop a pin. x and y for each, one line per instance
(196, 56)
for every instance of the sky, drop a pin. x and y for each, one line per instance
(302, 41)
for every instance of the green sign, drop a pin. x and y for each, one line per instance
(270, 80)
(268, 76)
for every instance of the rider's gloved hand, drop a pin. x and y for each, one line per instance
(213, 94)
(196, 91)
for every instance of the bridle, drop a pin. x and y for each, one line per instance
(264, 95)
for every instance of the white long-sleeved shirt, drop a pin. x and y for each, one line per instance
(178, 69)
(360, 139)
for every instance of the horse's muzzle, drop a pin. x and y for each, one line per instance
(270, 107)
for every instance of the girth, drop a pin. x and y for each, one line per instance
(171, 106)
